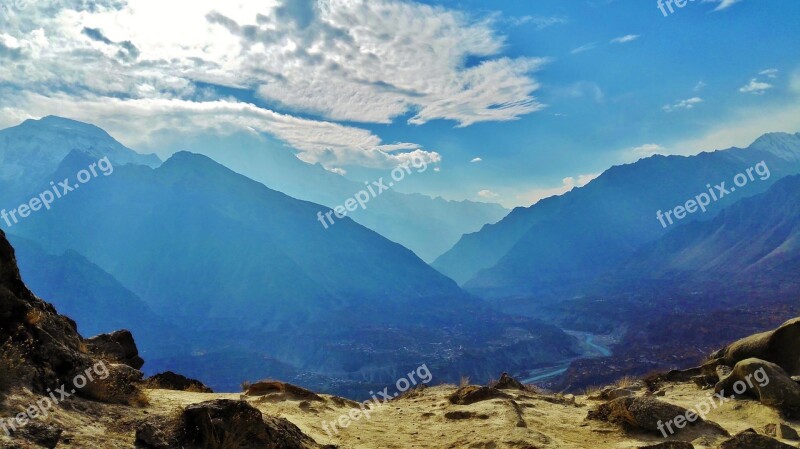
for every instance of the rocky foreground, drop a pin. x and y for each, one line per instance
(59, 390)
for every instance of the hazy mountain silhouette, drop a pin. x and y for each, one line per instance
(93, 298)
(428, 226)
(755, 239)
(563, 242)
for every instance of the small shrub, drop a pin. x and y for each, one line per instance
(626, 382)
(464, 381)
(246, 385)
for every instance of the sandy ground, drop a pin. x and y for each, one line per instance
(526, 421)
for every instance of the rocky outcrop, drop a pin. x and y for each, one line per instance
(273, 387)
(473, 393)
(778, 346)
(173, 381)
(220, 424)
(751, 440)
(507, 382)
(41, 350)
(648, 414)
(765, 381)
(118, 347)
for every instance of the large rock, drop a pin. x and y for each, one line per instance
(670, 445)
(118, 347)
(473, 393)
(648, 414)
(781, 431)
(779, 346)
(752, 440)
(267, 387)
(222, 423)
(765, 381)
(173, 381)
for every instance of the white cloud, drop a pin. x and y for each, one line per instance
(584, 47)
(647, 150)
(137, 121)
(487, 194)
(567, 184)
(700, 86)
(625, 39)
(769, 73)
(337, 170)
(689, 103)
(755, 87)
(723, 4)
(540, 22)
(476, 160)
(340, 60)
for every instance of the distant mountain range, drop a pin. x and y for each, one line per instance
(757, 238)
(233, 270)
(428, 226)
(560, 244)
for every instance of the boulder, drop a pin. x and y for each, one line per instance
(781, 431)
(264, 388)
(121, 386)
(670, 445)
(42, 434)
(778, 346)
(173, 381)
(648, 414)
(752, 440)
(764, 381)
(117, 347)
(473, 393)
(507, 382)
(221, 423)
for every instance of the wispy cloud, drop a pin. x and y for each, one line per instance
(689, 103)
(351, 61)
(755, 87)
(625, 39)
(583, 48)
(769, 73)
(723, 4)
(487, 194)
(540, 22)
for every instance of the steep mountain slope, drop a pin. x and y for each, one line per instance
(572, 239)
(428, 226)
(239, 264)
(756, 238)
(33, 150)
(93, 298)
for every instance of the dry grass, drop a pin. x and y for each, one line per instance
(34, 317)
(464, 381)
(591, 391)
(246, 385)
(232, 439)
(626, 382)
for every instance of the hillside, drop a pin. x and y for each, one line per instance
(561, 243)
(237, 263)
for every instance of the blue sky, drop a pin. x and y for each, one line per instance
(546, 93)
